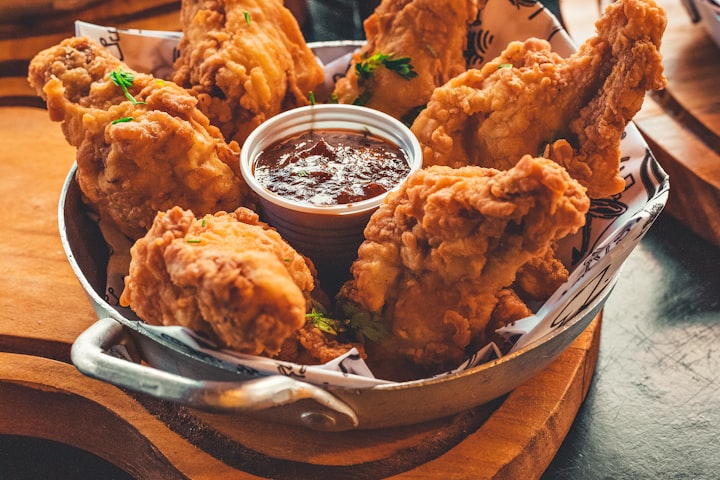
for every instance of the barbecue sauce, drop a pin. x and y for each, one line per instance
(331, 167)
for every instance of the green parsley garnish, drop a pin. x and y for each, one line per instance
(357, 324)
(312, 97)
(366, 68)
(321, 322)
(193, 240)
(122, 120)
(505, 65)
(246, 14)
(363, 324)
(124, 80)
(401, 66)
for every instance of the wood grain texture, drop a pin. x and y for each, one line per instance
(40, 288)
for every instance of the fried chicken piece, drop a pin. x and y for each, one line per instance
(541, 277)
(227, 275)
(387, 365)
(439, 250)
(135, 158)
(509, 308)
(312, 346)
(530, 98)
(246, 60)
(323, 346)
(432, 34)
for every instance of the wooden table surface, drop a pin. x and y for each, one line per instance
(43, 308)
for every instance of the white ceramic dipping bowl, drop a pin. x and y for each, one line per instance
(330, 235)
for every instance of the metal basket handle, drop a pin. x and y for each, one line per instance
(89, 356)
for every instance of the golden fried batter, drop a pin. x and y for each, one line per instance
(228, 275)
(431, 34)
(529, 98)
(440, 249)
(246, 60)
(135, 157)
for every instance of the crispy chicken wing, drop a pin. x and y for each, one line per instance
(439, 251)
(530, 98)
(431, 34)
(136, 154)
(227, 275)
(246, 60)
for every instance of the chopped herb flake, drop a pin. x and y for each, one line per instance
(122, 120)
(321, 322)
(124, 80)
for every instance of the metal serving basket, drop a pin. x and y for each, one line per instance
(124, 351)
(158, 365)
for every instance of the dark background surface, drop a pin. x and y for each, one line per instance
(653, 409)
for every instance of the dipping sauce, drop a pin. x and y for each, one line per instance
(331, 167)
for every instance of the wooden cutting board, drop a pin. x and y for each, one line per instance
(43, 309)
